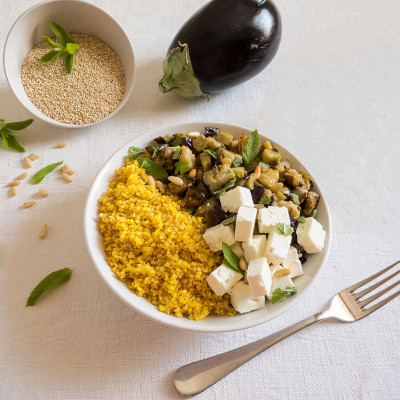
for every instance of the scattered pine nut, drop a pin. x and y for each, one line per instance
(61, 145)
(28, 162)
(68, 171)
(43, 231)
(65, 167)
(14, 183)
(192, 173)
(161, 186)
(66, 177)
(33, 157)
(177, 181)
(257, 172)
(43, 192)
(193, 134)
(28, 204)
(150, 180)
(13, 191)
(282, 272)
(243, 264)
(23, 176)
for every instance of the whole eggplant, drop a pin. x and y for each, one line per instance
(223, 44)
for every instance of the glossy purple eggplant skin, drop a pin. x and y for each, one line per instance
(230, 41)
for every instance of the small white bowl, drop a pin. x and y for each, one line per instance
(211, 323)
(76, 16)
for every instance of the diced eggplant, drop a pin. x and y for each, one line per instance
(187, 155)
(187, 141)
(164, 158)
(194, 197)
(210, 131)
(217, 177)
(205, 161)
(200, 143)
(202, 187)
(257, 194)
(271, 157)
(226, 156)
(224, 138)
(212, 212)
(180, 189)
(311, 203)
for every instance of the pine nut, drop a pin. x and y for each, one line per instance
(150, 180)
(14, 191)
(61, 145)
(257, 172)
(161, 187)
(193, 134)
(65, 167)
(243, 264)
(175, 180)
(69, 171)
(28, 162)
(43, 192)
(235, 144)
(43, 231)
(33, 157)
(192, 173)
(277, 186)
(23, 176)
(282, 272)
(28, 204)
(66, 177)
(14, 183)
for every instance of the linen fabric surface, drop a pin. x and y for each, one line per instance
(331, 96)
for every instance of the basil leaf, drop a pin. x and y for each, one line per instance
(71, 48)
(61, 34)
(229, 220)
(181, 167)
(222, 191)
(252, 148)
(282, 180)
(210, 152)
(5, 141)
(177, 141)
(2, 124)
(167, 139)
(69, 61)
(51, 281)
(177, 153)
(295, 198)
(230, 258)
(18, 126)
(135, 152)
(280, 295)
(301, 220)
(38, 177)
(52, 44)
(13, 143)
(265, 200)
(155, 152)
(284, 229)
(314, 213)
(49, 56)
(237, 162)
(263, 165)
(154, 169)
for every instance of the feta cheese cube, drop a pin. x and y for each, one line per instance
(311, 235)
(222, 279)
(282, 283)
(292, 261)
(259, 277)
(235, 198)
(270, 217)
(256, 248)
(217, 234)
(277, 247)
(237, 249)
(242, 299)
(245, 221)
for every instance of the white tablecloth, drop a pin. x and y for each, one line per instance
(331, 96)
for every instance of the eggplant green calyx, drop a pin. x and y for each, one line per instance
(179, 75)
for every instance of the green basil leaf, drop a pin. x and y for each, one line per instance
(4, 137)
(314, 213)
(265, 200)
(18, 126)
(284, 229)
(280, 295)
(177, 153)
(135, 152)
(49, 56)
(69, 62)
(13, 143)
(154, 169)
(295, 198)
(252, 148)
(210, 152)
(61, 34)
(155, 152)
(263, 165)
(51, 281)
(38, 177)
(167, 138)
(230, 184)
(229, 220)
(301, 219)
(181, 167)
(2, 124)
(177, 141)
(237, 162)
(230, 258)
(71, 48)
(282, 180)
(52, 44)
(250, 167)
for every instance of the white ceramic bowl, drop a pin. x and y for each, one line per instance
(211, 323)
(75, 16)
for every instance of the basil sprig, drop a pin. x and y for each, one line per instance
(135, 152)
(38, 177)
(229, 220)
(8, 136)
(280, 295)
(265, 200)
(251, 150)
(154, 169)
(222, 191)
(284, 229)
(181, 167)
(210, 152)
(230, 258)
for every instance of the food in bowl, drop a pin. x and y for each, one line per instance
(168, 223)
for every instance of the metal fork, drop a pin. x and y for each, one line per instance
(346, 306)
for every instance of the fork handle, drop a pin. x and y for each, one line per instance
(195, 377)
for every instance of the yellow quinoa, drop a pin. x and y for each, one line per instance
(156, 246)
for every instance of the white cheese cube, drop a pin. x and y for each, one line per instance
(217, 234)
(259, 277)
(245, 221)
(242, 299)
(311, 236)
(222, 279)
(282, 283)
(270, 217)
(256, 248)
(277, 247)
(235, 198)
(292, 261)
(237, 249)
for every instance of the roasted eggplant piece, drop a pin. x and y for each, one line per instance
(210, 131)
(225, 43)
(194, 197)
(217, 177)
(311, 203)
(180, 189)
(257, 193)
(212, 212)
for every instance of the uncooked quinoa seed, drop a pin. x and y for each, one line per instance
(91, 92)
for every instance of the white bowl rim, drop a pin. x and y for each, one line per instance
(52, 120)
(170, 320)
